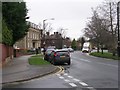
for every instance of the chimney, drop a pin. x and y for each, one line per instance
(47, 33)
(60, 34)
(56, 33)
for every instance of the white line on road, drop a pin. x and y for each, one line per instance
(73, 85)
(81, 59)
(85, 60)
(82, 83)
(91, 88)
(107, 64)
(61, 77)
(65, 74)
(77, 80)
(96, 62)
(70, 76)
(66, 80)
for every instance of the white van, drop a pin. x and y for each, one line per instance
(85, 49)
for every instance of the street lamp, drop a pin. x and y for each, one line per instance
(44, 29)
(44, 23)
(118, 11)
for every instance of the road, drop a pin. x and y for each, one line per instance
(84, 72)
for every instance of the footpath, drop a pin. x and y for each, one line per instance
(19, 70)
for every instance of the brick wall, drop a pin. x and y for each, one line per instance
(6, 53)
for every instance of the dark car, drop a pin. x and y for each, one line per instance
(47, 54)
(60, 56)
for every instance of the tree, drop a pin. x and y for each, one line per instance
(82, 41)
(73, 45)
(6, 34)
(49, 28)
(108, 10)
(15, 15)
(62, 32)
(97, 31)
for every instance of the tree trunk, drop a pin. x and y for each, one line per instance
(102, 49)
(113, 52)
(98, 48)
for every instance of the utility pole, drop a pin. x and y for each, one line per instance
(118, 11)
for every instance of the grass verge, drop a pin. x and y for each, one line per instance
(105, 55)
(37, 60)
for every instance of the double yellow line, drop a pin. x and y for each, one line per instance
(61, 71)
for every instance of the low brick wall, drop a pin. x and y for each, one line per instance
(6, 53)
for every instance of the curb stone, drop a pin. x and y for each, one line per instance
(34, 77)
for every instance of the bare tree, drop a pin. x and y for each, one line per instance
(40, 25)
(62, 31)
(82, 41)
(108, 10)
(49, 28)
(97, 30)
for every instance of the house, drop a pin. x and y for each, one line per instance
(32, 40)
(67, 42)
(52, 40)
(55, 40)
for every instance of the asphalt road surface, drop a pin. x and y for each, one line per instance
(85, 71)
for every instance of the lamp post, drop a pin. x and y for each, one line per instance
(44, 30)
(118, 11)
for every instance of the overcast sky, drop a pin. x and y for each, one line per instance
(69, 14)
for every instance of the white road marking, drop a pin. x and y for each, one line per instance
(61, 77)
(91, 88)
(66, 80)
(81, 59)
(82, 83)
(65, 74)
(70, 76)
(85, 60)
(97, 62)
(107, 64)
(73, 85)
(77, 80)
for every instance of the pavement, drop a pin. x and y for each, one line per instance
(19, 70)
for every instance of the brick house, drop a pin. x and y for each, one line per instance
(67, 42)
(56, 40)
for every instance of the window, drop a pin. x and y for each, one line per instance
(28, 44)
(31, 35)
(28, 34)
(35, 36)
(31, 45)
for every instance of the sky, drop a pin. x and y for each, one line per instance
(71, 15)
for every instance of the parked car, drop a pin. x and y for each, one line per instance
(47, 54)
(65, 49)
(70, 50)
(60, 56)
